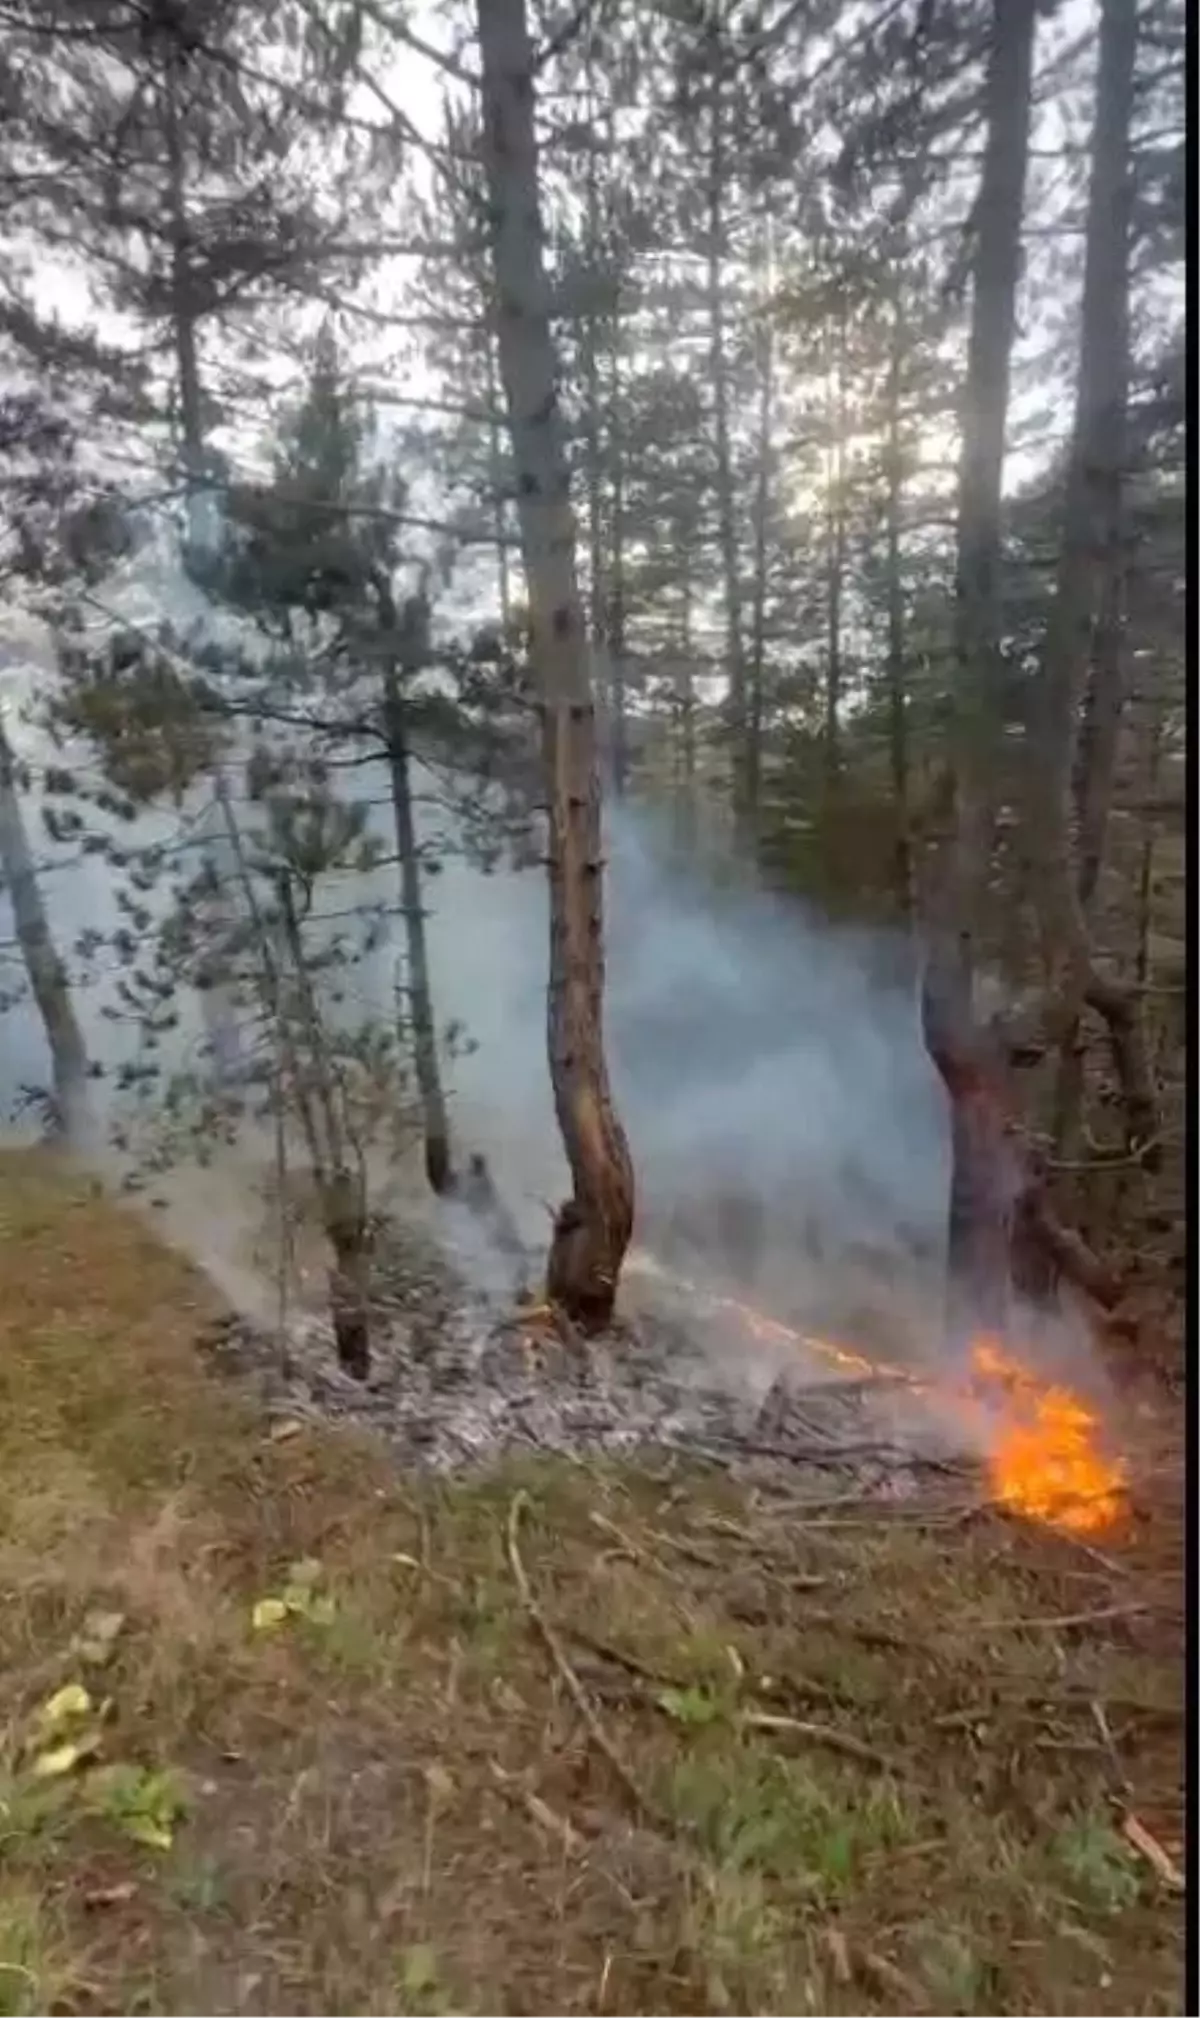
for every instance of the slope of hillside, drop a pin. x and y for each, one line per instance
(284, 1730)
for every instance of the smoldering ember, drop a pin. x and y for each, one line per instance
(593, 1039)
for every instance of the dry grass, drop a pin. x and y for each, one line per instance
(860, 1770)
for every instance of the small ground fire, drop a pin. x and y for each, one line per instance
(1047, 1460)
(1044, 1446)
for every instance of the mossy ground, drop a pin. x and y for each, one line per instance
(861, 1768)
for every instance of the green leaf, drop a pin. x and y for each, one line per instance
(152, 1830)
(689, 1706)
(144, 1803)
(306, 1574)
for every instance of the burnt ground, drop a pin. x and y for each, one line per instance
(461, 1378)
(636, 1731)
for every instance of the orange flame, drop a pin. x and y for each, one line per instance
(1045, 1453)
(1046, 1459)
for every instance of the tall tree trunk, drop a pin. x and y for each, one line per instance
(735, 657)
(43, 964)
(594, 452)
(1145, 882)
(341, 1193)
(756, 673)
(835, 577)
(985, 1180)
(1094, 779)
(199, 507)
(183, 311)
(897, 684)
(499, 480)
(618, 697)
(593, 1227)
(618, 656)
(686, 705)
(409, 629)
(1090, 551)
(342, 1190)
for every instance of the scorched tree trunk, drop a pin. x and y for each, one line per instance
(593, 1227)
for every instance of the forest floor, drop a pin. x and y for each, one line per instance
(282, 1729)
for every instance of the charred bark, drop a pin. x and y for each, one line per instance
(344, 1211)
(593, 1228)
(982, 1198)
(985, 1172)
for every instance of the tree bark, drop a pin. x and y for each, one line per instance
(409, 629)
(183, 315)
(1090, 553)
(593, 1227)
(835, 575)
(47, 975)
(1095, 774)
(341, 1194)
(618, 697)
(897, 684)
(342, 1190)
(735, 657)
(499, 482)
(685, 701)
(198, 503)
(596, 412)
(756, 672)
(985, 1181)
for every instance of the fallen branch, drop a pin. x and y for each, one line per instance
(575, 1689)
(1100, 1719)
(1067, 1251)
(1065, 1622)
(1138, 1836)
(823, 1734)
(725, 1449)
(888, 1981)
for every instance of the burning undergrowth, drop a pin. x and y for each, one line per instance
(465, 1375)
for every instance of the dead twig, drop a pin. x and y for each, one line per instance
(1065, 1622)
(540, 1811)
(888, 1981)
(1100, 1719)
(823, 1734)
(1138, 1836)
(575, 1689)
(824, 1456)
(1019, 1521)
(639, 1669)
